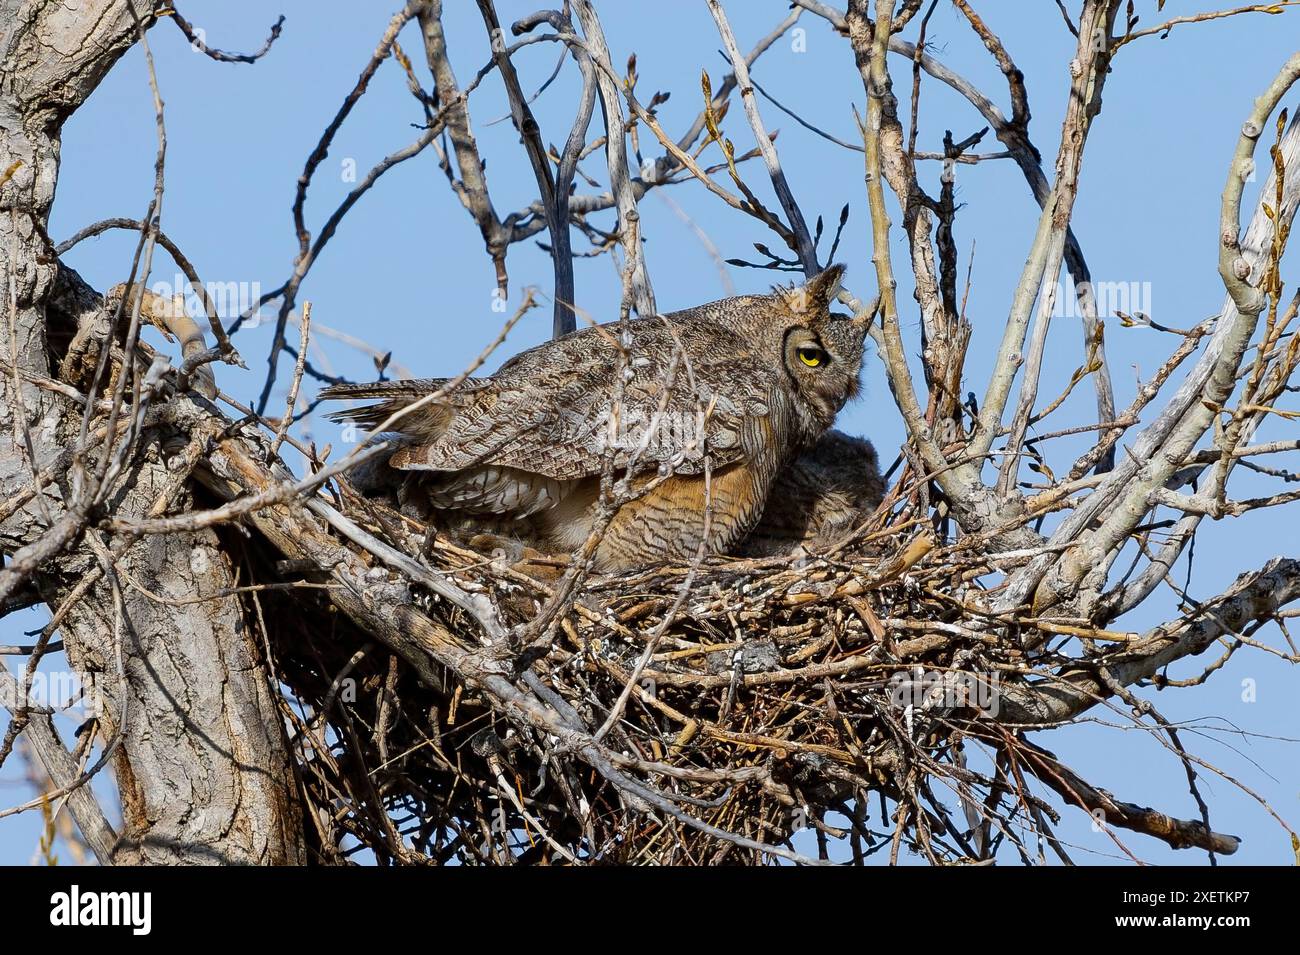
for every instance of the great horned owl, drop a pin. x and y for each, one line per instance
(736, 388)
(818, 498)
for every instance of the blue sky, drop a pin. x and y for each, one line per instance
(407, 271)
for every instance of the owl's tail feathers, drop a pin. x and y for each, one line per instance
(428, 420)
(409, 388)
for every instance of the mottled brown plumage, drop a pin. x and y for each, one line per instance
(741, 385)
(818, 498)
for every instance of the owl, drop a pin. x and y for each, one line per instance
(818, 498)
(700, 406)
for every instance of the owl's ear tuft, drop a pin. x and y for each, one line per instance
(814, 297)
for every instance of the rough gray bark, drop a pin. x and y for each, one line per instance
(202, 763)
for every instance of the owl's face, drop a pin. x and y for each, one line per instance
(825, 362)
(821, 354)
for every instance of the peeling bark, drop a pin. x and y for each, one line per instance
(202, 763)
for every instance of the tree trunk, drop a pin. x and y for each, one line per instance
(202, 763)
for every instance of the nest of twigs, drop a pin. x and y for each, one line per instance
(749, 710)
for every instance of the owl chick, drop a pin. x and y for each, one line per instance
(716, 399)
(818, 498)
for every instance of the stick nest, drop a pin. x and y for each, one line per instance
(777, 696)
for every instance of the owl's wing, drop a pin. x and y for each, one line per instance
(566, 433)
(554, 411)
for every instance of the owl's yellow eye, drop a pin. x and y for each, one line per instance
(812, 357)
